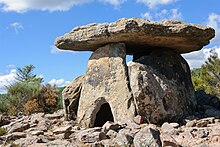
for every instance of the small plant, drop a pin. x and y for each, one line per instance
(3, 131)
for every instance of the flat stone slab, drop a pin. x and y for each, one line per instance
(139, 35)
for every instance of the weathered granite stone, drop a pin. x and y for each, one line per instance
(162, 87)
(71, 95)
(139, 35)
(148, 136)
(105, 94)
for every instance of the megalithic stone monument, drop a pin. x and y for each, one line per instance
(156, 85)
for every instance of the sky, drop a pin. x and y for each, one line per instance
(28, 29)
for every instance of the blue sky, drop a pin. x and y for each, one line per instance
(28, 29)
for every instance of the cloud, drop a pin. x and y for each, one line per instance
(59, 82)
(21, 6)
(55, 50)
(173, 14)
(6, 80)
(153, 3)
(16, 26)
(197, 58)
(214, 21)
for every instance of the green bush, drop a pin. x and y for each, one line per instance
(3, 131)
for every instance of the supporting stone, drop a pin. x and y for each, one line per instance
(161, 86)
(106, 81)
(71, 95)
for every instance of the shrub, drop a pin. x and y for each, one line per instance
(3, 131)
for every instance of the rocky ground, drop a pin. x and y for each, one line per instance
(51, 130)
(37, 130)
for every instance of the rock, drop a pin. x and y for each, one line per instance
(36, 118)
(105, 94)
(138, 119)
(190, 123)
(147, 137)
(162, 87)
(213, 112)
(204, 122)
(61, 130)
(37, 133)
(111, 134)
(90, 135)
(14, 136)
(44, 125)
(175, 125)
(139, 35)
(58, 143)
(53, 116)
(4, 120)
(123, 138)
(93, 137)
(110, 126)
(71, 95)
(27, 141)
(167, 140)
(168, 129)
(19, 127)
(207, 99)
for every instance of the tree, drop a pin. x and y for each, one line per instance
(25, 74)
(207, 78)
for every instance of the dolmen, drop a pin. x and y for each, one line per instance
(156, 85)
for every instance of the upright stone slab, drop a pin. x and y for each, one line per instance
(106, 83)
(162, 87)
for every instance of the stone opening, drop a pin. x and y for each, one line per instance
(103, 115)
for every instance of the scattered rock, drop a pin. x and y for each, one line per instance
(110, 126)
(19, 127)
(148, 137)
(168, 129)
(111, 134)
(61, 130)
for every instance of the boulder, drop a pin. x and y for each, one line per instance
(148, 136)
(106, 94)
(139, 35)
(71, 95)
(162, 87)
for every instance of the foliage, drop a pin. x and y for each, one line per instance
(3, 103)
(207, 78)
(3, 131)
(28, 95)
(20, 93)
(25, 74)
(48, 98)
(32, 106)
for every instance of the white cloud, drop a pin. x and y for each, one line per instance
(147, 15)
(55, 50)
(6, 80)
(197, 58)
(21, 6)
(153, 3)
(214, 21)
(173, 14)
(16, 26)
(59, 82)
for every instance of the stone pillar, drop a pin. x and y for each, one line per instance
(162, 87)
(106, 81)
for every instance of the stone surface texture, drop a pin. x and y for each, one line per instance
(138, 35)
(162, 87)
(71, 95)
(106, 81)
